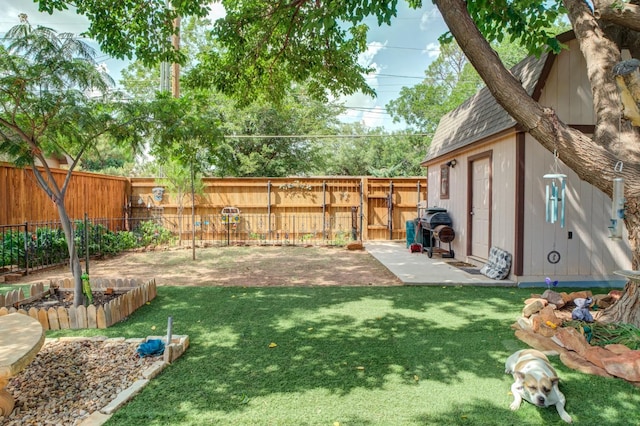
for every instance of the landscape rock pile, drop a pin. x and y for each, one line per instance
(541, 327)
(71, 378)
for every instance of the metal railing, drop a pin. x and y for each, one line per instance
(33, 246)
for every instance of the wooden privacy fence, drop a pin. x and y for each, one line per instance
(378, 208)
(135, 294)
(22, 200)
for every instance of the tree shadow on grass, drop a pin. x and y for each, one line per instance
(406, 341)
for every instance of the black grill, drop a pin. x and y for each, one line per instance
(434, 217)
(437, 228)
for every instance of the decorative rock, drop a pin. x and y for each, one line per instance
(538, 342)
(617, 348)
(625, 366)
(554, 297)
(547, 331)
(576, 362)
(523, 324)
(548, 314)
(533, 299)
(603, 301)
(540, 327)
(580, 294)
(572, 340)
(566, 297)
(596, 354)
(532, 308)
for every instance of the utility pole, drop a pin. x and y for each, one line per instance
(175, 86)
(170, 73)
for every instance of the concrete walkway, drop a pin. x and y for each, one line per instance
(419, 269)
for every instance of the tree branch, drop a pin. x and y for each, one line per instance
(618, 12)
(574, 148)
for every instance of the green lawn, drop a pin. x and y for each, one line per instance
(349, 356)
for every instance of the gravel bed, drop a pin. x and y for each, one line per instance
(70, 379)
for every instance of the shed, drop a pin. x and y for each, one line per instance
(488, 173)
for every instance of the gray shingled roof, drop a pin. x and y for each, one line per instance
(481, 116)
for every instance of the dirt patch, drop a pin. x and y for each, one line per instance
(255, 266)
(65, 300)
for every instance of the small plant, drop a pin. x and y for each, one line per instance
(341, 238)
(150, 232)
(86, 288)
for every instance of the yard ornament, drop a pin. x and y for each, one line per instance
(554, 200)
(617, 205)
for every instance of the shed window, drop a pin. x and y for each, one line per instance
(444, 182)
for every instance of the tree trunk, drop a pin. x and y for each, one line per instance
(591, 157)
(74, 260)
(625, 310)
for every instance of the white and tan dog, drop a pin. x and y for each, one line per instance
(535, 381)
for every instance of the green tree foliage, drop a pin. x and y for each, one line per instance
(142, 81)
(372, 152)
(286, 151)
(449, 81)
(109, 158)
(262, 46)
(50, 105)
(133, 28)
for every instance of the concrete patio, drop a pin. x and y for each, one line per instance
(419, 269)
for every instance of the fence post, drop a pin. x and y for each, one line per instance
(324, 209)
(26, 248)
(354, 223)
(361, 210)
(418, 202)
(86, 242)
(269, 207)
(390, 210)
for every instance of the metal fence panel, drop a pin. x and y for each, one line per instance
(33, 246)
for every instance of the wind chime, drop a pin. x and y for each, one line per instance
(617, 205)
(555, 189)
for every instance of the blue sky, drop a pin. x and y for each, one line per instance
(400, 53)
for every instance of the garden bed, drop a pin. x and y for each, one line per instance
(114, 300)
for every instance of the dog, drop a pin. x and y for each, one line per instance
(535, 381)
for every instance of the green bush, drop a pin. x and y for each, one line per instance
(48, 246)
(149, 232)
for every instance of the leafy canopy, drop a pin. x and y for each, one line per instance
(263, 46)
(50, 94)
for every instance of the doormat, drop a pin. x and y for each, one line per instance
(466, 267)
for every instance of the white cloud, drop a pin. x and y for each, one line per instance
(374, 117)
(429, 17)
(432, 50)
(216, 11)
(362, 102)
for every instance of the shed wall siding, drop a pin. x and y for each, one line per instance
(590, 252)
(567, 89)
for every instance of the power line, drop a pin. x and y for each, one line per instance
(406, 135)
(399, 76)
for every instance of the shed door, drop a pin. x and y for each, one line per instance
(480, 213)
